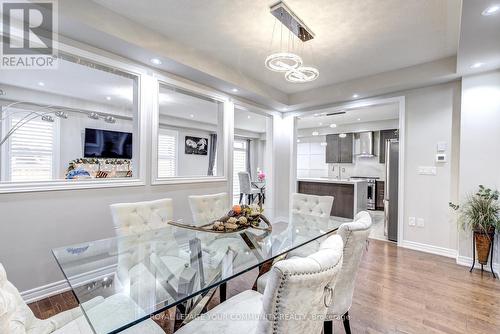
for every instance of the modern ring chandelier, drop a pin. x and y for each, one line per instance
(287, 61)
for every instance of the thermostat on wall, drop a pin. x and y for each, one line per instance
(440, 157)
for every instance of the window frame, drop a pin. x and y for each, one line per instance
(228, 109)
(235, 177)
(123, 65)
(175, 134)
(6, 158)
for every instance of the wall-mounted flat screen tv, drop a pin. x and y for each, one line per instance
(107, 144)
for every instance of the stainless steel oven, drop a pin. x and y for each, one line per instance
(370, 201)
(370, 191)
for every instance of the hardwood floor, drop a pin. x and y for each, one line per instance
(397, 291)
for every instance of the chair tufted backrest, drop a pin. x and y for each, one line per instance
(207, 208)
(132, 218)
(354, 235)
(312, 205)
(143, 228)
(297, 289)
(245, 183)
(15, 315)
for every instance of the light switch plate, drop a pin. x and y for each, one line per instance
(427, 170)
(442, 146)
(411, 221)
(420, 222)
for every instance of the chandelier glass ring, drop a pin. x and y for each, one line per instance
(302, 74)
(283, 62)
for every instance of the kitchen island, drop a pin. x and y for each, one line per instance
(349, 195)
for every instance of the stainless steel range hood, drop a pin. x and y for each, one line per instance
(363, 144)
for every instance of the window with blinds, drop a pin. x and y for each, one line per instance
(167, 153)
(31, 153)
(239, 165)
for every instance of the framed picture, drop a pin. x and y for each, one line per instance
(196, 145)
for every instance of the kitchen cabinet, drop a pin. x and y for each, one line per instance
(385, 135)
(343, 194)
(379, 195)
(339, 149)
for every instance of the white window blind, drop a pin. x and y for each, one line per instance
(239, 165)
(167, 153)
(31, 152)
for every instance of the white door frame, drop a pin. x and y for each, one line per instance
(400, 101)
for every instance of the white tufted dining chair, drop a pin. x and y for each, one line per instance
(207, 208)
(320, 206)
(355, 236)
(294, 302)
(149, 248)
(17, 318)
(130, 218)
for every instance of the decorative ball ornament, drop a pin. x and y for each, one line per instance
(302, 74)
(283, 62)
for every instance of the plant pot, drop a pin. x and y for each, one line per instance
(483, 244)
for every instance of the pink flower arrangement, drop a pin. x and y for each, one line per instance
(261, 176)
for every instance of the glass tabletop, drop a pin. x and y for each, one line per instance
(122, 281)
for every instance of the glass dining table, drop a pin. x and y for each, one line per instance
(122, 281)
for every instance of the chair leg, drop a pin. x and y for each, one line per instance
(241, 198)
(347, 327)
(328, 327)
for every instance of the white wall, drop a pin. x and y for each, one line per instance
(480, 137)
(311, 157)
(430, 118)
(191, 164)
(72, 136)
(284, 162)
(31, 224)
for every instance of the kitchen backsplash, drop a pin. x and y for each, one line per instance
(360, 167)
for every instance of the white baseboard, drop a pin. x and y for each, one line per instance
(45, 291)
(467, 261)
(448, 252)
(55, 288)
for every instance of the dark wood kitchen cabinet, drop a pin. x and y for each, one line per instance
(339, 149)
(379, 195)
(385, 135)
(343, 205)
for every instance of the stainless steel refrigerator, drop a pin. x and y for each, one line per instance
(391, 189)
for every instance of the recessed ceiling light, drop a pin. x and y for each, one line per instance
(284, 108)
(41, 84)
(192, 116)
(359, 119)
(234, 90)
(477, 65)
(249, 117)
(316, 115)
(315, 133)
(320, 123)
(323, 143)
(492, 10)
(342, 135)
(156, 61)
(333, 125)
(298, 140)
(355, 96)
(108, 98)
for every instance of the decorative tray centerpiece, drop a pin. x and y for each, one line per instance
(239, 218)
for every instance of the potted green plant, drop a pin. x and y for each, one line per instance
(480, 213)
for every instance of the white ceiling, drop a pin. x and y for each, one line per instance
(76, 81)
(183, 106)
(350, 35)
(479, 38)
(352, 116)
